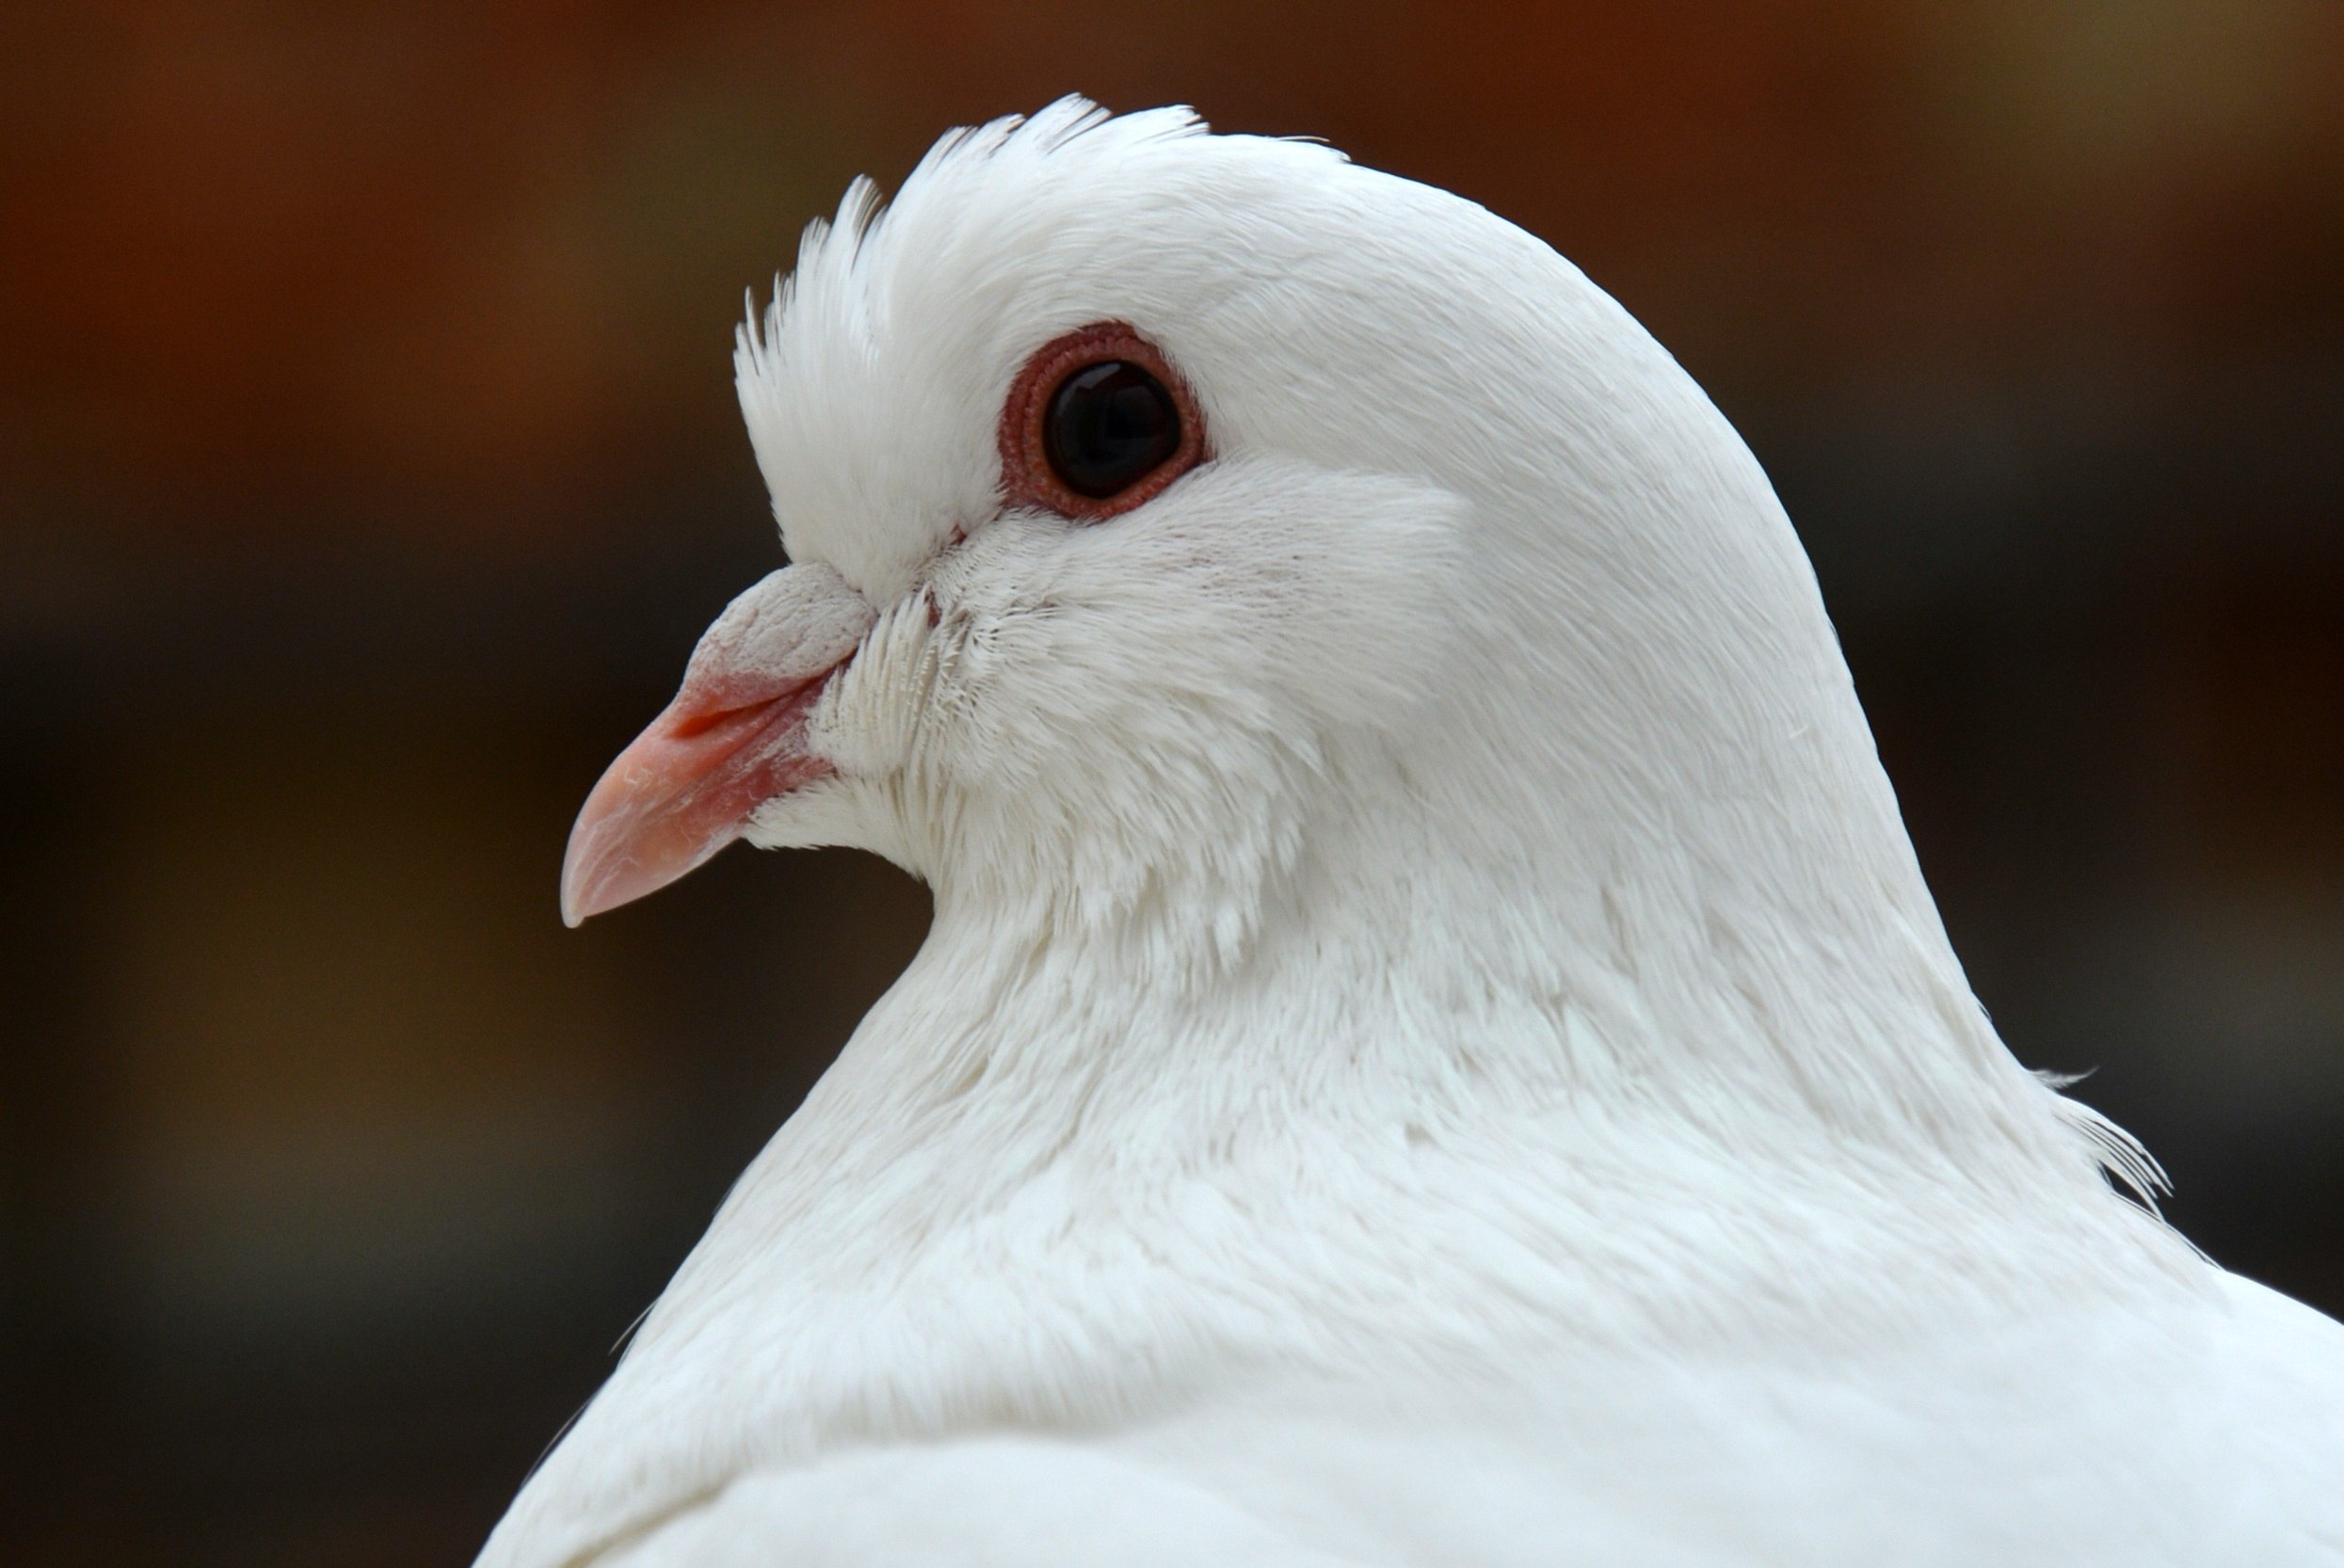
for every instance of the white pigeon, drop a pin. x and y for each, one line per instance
(1433, 1047)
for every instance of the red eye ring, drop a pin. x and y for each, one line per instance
(1027, 477)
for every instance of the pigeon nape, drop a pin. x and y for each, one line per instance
(1434, 1045)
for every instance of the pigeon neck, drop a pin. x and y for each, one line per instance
(1401, 972)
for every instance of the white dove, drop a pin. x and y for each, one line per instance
(1433, 1047)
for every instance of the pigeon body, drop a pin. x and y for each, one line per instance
(1434, 1045)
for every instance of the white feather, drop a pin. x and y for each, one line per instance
(1433, 1047)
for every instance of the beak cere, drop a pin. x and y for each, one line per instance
(735, 737)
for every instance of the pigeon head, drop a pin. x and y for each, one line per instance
(1184, 524)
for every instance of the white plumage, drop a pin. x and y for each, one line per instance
(1433, 1047)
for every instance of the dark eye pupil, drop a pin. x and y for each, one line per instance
(1109, 425)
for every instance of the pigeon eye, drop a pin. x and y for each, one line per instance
(1098, 423)
(1109, 424)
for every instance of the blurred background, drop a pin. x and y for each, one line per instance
(368, 464)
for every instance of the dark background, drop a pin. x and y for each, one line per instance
(368, 464)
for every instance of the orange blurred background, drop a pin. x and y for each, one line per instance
(368, 464)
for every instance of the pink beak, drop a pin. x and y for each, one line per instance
(733, 739)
